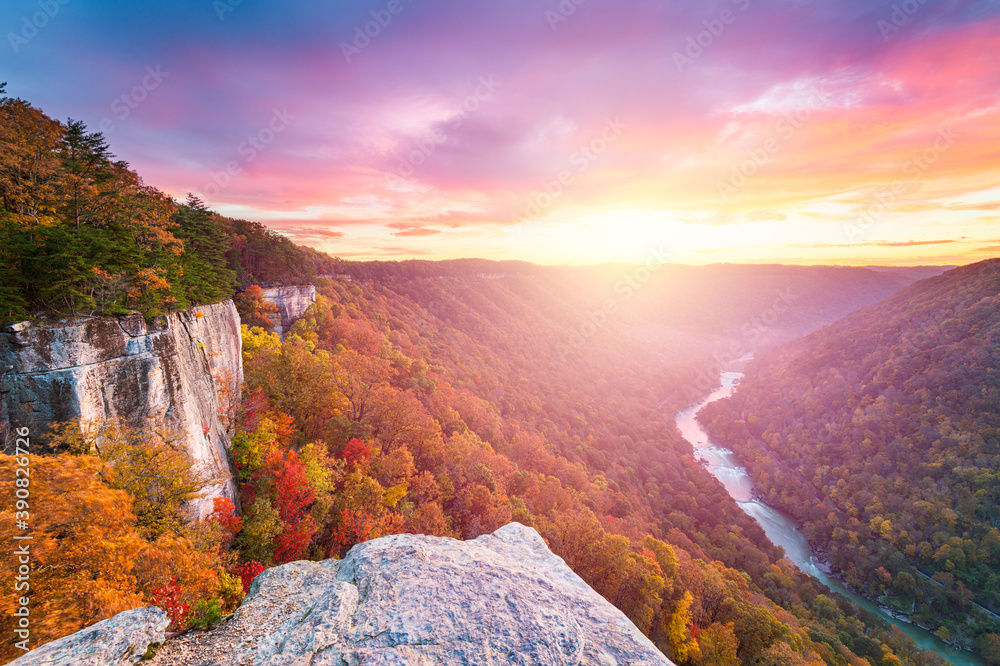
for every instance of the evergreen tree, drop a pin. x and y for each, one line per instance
(205, 276)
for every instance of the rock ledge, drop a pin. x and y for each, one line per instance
(503, 598)
(407, 599)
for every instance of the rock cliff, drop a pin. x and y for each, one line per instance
(291, 301)
(503, 598)
(176, 375)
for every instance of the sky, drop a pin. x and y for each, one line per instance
(553, 131)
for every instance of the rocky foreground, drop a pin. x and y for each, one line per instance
(404, 599)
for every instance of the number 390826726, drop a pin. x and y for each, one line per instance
(22, 473)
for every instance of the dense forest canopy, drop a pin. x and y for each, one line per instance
(437, 404)
(442, 399)
(881, 433)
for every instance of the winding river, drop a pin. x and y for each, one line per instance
(780, 529)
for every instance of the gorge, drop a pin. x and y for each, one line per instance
(780, 529)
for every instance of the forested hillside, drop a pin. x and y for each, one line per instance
(83, 234)
(451, 398)
(441, 398)
(881, 433)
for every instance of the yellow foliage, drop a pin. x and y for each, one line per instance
(678, 634)
(159, 476)
(717, 646)
(256, 339)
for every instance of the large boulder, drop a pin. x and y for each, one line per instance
(122, 639)
(406, 599)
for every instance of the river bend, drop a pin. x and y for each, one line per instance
(780, 529)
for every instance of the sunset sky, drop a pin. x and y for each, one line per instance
(579, 131)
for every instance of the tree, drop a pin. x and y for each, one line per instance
(83, 551)
(158, 474)
(717, 646)
(294, 496)
(253, 309)
(86, 162)
(30, 166)
(678, 632)
(206, 276)
(989, 646)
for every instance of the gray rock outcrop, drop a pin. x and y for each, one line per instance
(122, 639)
(503, 598)
(291, 301)
(173, 375)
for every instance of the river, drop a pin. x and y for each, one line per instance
(780, 529)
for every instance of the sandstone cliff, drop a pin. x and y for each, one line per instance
(503, 598)
(173, 375)
(291, 301)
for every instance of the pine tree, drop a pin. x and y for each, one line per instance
(206, 276)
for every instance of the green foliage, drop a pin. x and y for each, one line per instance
(80, 233)
(205, 276)
(261, 524)
(207, 614)
(150, 652)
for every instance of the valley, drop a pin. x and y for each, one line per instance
(878, 434)
(780, 529)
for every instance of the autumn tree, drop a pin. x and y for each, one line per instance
(158, 474)
(254, 310)
(89, 558)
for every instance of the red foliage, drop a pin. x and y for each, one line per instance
(294, 539)
(355, 527)
(224, 513)
(357, 453)
(248, 490)
(254, 408)
(294, 494)
(247, 572)
(168, 598)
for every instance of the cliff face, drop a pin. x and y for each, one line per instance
(291, 302)
(408, 599)
(173, 375)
